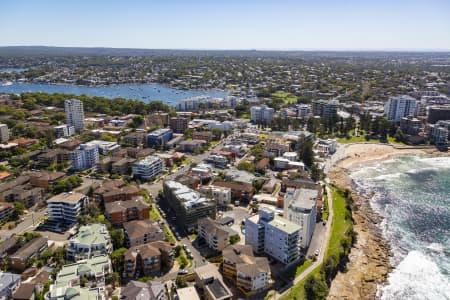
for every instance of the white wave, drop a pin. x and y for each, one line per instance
(436, 247)
(416, 277)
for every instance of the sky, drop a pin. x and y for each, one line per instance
(228, 24)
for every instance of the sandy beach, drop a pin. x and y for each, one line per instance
(369, 259)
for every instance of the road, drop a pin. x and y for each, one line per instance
(30, 222)
(322, 251)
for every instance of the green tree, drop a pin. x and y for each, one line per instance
(117, 238)
(315, 288)
(306, 153)
(246, 166)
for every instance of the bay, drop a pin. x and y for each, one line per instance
(143, 92)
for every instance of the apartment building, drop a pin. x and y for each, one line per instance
(399, 107)
(134, 139)
(148, 168)
(104, 147)
(68, 281)
(119, 212)
(261, 114)
(178, 124)
(4, 133)
(74, 113)
(325, 108)
(115, 190)
(148, 259)
(45, 180)
(214, 234)
(438, 112)
(91, 240)
(300, 207)
(9, 283)
(31, 249)
(87, 156)
(66, 207)
(6, 209)
(239, 191)
(273, 235)
(202, 135)
(250, 274)
(188, 205)
(159, 137)
(440, 132)
(222, 195)
(64, 131)
(140, 232)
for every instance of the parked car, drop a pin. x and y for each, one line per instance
(316, 253)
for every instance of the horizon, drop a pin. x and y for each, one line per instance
(398, 50)
(418, 26)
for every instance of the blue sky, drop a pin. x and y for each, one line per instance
(228, 24)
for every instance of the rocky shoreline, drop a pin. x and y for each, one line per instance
(369, 259)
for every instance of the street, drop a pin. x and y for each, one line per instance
(29, 223)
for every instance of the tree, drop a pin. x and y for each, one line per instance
(217, 133)
(234, 239)
(246, 166)
(316, 173)
(112, 279)
(18, 209)
(180, 282)
(118, 259)
(399, 135)
(315, 288)
(306, 153)
(117, 238)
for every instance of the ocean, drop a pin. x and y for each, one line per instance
(412, 194)
(143, 92)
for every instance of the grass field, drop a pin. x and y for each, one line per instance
(286, 97)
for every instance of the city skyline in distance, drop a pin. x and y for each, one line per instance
(253, 25)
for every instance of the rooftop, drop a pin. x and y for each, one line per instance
(284, 225)
(91, 234)
(187, 293)
(119, 206)
(188, 196)
(302, 199)
(69, 198)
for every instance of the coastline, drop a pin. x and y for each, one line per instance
(369, 260)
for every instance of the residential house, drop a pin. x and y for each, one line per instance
(150, 290)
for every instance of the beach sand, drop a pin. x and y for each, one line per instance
(369, 259)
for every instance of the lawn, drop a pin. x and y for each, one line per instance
(302, 267)
(340, 224)
(169, 235)
(361, 139)
(154, 214)
(245, 116)
(286, 97)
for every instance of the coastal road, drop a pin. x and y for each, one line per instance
(322, 250)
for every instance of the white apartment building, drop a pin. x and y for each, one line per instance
(222, 195)
(148, 168)
(91, 240)
(4, 133)
(85, 157)
(261, 114)
(66, 207)
(64, 130)
(440, 132)
(300, 207)
(399, 107)
(104, 147)
(273, 235)
(74, 113)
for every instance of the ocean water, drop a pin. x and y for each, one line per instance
(413, 196)
(143, 92)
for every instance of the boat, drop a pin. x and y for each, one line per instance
(6, 83)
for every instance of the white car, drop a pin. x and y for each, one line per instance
(316, 253)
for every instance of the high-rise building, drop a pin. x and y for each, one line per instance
(261, 113)
(74, 113)
(4, 133)
(64, 130)
(300, 207)
(66, 207)
(274, 236)
(437, 113)
(399, 107)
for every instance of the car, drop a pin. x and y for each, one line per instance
(185, 246)
(316, 253)
(183, 272)
(324, 222)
